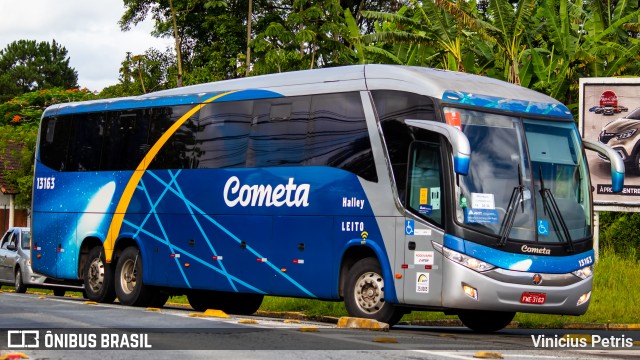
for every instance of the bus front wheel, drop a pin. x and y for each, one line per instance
(98, 277)
(364, 293)
(128, 278)
(486, 321)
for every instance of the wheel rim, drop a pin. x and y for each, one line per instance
(96, 275)
(128, 276)
(369, 292)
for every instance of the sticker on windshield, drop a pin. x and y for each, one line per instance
(424, 198)
(480, 216)
(482, 201)
(435, 198)
(543, 227)
(425, 209)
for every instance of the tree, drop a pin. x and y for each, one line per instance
(310, 34)
(26, 65)
(19, 119)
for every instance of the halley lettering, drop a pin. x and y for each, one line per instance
(260, 195)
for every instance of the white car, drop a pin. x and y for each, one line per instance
(15, 264)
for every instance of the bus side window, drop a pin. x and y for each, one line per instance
(85, 147)
(179, 150)
(425, 181)
(278, 132)
(393, 107)
(338, 135)
(55, 146)
(223, 134)
(126, 140)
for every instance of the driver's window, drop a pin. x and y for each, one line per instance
(5, 240)
(425, 191)
(12, 241)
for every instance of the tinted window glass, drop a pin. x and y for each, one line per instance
(127, 139)
(179, 150)
(85, 146)
(223, 134)
(54, 141)
(279, 132)
(425, 181)
(338, 135)
(393, 107)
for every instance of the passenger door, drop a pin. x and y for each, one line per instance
(423, 223)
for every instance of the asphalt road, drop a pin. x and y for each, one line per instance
(68, 328)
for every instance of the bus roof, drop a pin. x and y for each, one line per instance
(449, 86)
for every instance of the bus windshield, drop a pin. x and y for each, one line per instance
(527, 180)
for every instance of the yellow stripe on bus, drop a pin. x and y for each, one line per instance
(127, 194)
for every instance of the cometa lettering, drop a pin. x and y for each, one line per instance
(290, 194)
(543, 251)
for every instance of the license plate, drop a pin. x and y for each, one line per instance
(533, 298)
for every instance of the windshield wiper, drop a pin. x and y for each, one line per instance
(551, 209)
(517, 195)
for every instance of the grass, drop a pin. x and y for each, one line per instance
(613, 300)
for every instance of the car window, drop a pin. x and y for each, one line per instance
(26, 240)
(12, 240)
(5, 240)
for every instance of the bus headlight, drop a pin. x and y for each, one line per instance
(468, 261)
(584, 273)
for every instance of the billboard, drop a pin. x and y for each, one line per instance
(610, 113)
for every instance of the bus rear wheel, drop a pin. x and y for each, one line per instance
(128, 279)
(98, 277)
(486, 321)
(202, 300)
(231, 303)
(364, 293)
(241, 304)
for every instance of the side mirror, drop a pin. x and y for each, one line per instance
(457, 139)
(11, 247)
(617, 165)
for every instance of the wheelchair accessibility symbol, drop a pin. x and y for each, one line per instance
(543, 227)
(408, 228)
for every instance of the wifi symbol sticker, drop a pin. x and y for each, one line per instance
(364, 235)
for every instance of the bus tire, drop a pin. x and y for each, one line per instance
(241, 304)
(20, 287)
(130, 289)
(159, 299)
(364, 293)
(59, 292)
(98, 277)
(202, 300)
(486, 321)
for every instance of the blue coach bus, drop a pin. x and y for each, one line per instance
(394, 189)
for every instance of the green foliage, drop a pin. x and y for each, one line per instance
(620, 233)
(19, 118)
(26, 65)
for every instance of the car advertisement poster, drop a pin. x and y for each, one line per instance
(610, 113)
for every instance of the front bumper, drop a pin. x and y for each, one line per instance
(494, 295)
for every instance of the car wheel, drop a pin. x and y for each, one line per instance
(98, 277)
(128, 278)
(19, 285)
(59, 292)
